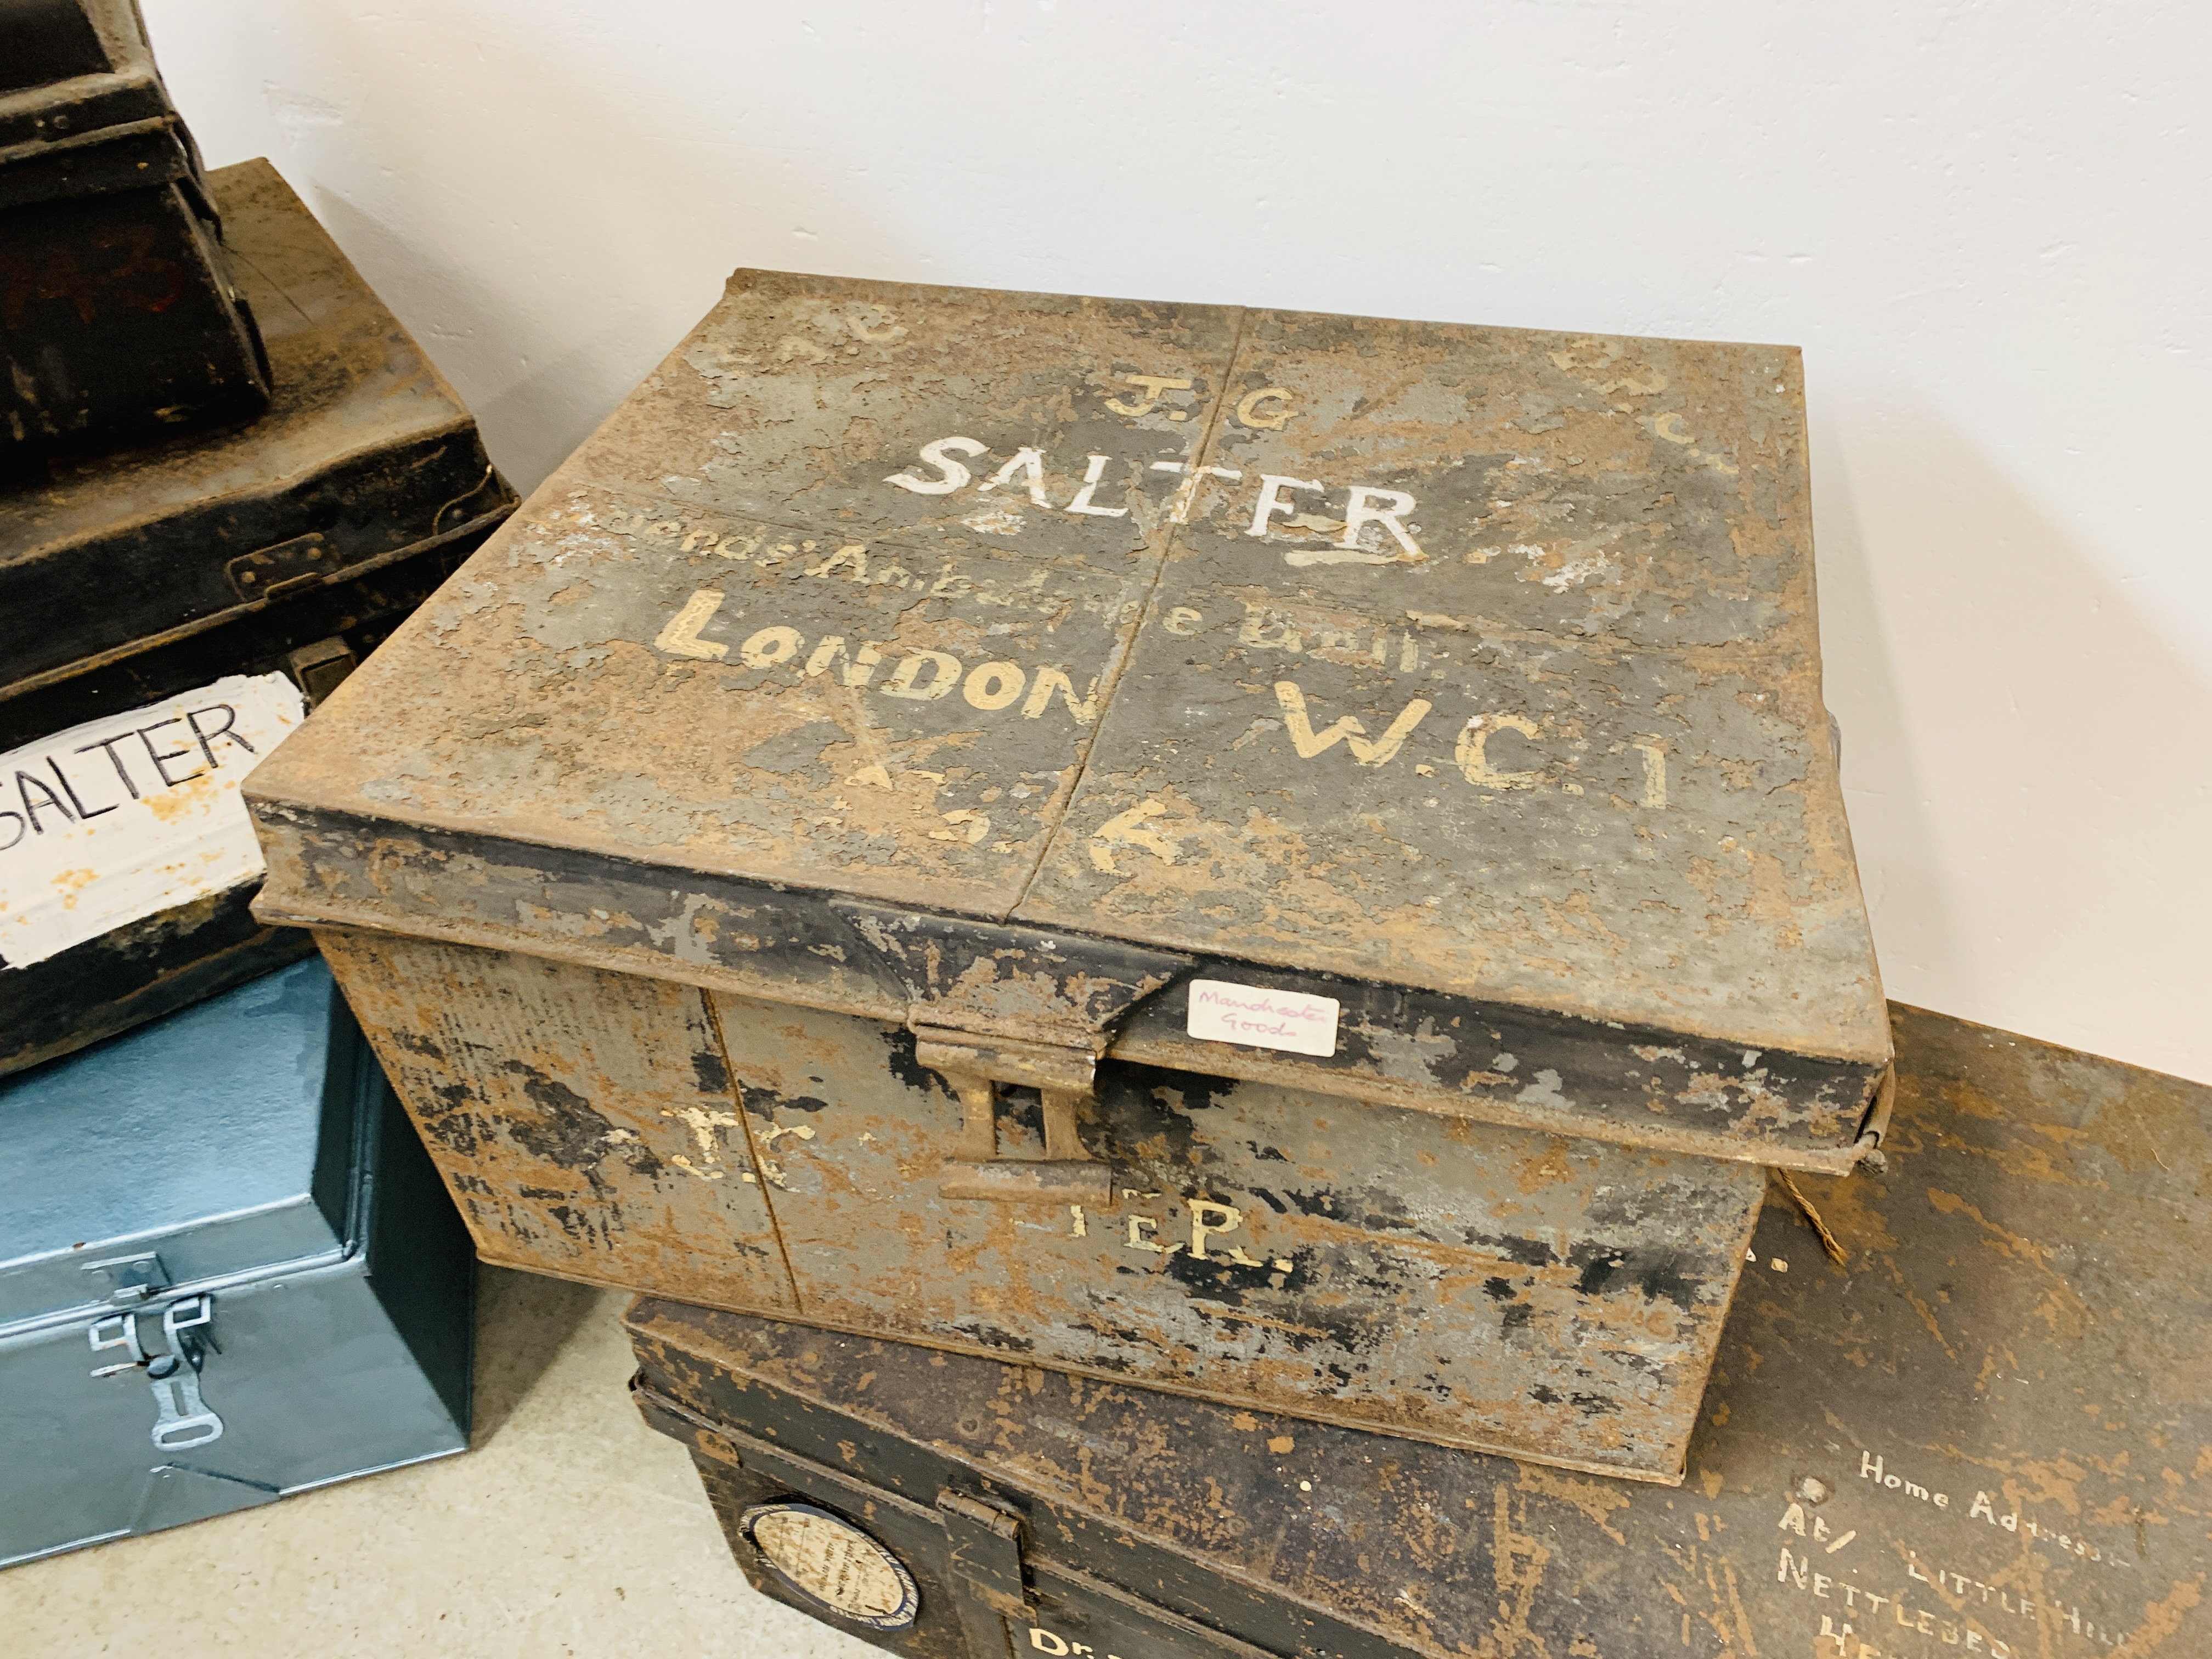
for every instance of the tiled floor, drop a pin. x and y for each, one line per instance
(571, 1529)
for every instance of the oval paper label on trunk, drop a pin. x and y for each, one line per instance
(828, 1558)
(1297, 1021)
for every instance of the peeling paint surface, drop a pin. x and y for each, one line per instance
(1392, 1269)
(578, 1118)
(1988, 1433)
(1476, 668)
(1612, 792)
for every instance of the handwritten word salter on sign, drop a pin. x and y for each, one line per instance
(1295, 1021)
(115, 819)
(1372, 521)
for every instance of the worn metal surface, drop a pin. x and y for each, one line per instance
(942, 682)
(1400, 1270)
(836, 602)
(226, 1271)
(121, 316)
(583, 1120)
(364, 448)
(1596, 664)
(1990, 1434)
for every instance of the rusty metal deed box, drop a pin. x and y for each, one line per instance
(1293, 858)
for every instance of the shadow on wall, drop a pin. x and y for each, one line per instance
(2013, 722)
(532, 422)
(1916, 935)
(644, 249)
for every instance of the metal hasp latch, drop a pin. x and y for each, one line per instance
(181, 1419)
(991, 1005)
(269, 573)
(127, 1281)
(320, 669)
(975, 1067)
(984, 1559)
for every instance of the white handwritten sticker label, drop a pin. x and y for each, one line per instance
(134, 813)
(1296, 1022)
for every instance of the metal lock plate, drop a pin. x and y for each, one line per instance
(127, 1281)
(283, 569)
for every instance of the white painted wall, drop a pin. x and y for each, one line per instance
(1986, 223)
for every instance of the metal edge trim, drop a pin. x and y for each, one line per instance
(1696, 1142)
(215, 619)
(1150, 1385)
(36, 148)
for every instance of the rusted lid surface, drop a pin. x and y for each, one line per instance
(1489, 666)
(719, 638)
(1473, 660)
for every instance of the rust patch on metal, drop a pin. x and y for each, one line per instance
(583, 1120)
(1395, 1270)
(1477, 660)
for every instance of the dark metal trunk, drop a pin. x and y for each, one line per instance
(122, 314)
(1987, 1432)
(293, 549)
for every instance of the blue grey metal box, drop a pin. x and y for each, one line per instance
(228, 1271)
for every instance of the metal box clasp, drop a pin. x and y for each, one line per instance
(975, 1067)
(182, 1419)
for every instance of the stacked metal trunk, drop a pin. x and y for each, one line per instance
(123, 314)
(167, 611)
(226, 1271)
(1292, 861)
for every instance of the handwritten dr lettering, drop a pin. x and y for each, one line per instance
(1295, 1021)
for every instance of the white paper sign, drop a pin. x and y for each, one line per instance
(1293, 1020)
(133, 813)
